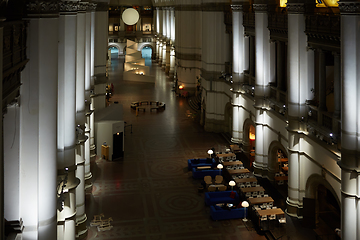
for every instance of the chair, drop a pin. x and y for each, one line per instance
(208, 180)
(222, 188)
(218, 179)
(242, 186)
(266, 195)
(282, 220)
(211, 188)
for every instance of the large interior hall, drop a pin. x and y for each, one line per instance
(178, 119)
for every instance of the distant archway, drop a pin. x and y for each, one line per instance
(248, 144)
(277, 159)
(114, 51)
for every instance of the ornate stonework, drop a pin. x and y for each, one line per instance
(68, 6)
(236, 7)
(82, 6)
(91, 6)
(42, 8)
(295, 8)
(260, 7)
(349, 7)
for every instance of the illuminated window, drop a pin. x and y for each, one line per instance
(283, 3)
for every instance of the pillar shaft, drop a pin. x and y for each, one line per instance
(350, 124)
(38, 118)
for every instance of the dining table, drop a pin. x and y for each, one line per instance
(238, 171)
(260, 200)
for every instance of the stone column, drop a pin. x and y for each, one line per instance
(247, 53)
(238, 68)
(172, 24)
(88, 33)
(2, 202)
(81, 26)
(67, 119)
(38, 124)
(350, 124)
(167, 59)
(188, 47)
(92, 81)
(164, 47)
(262, 79)
(172, 63)
(101, 54)
(297, 95)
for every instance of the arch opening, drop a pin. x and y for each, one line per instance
(146, 53)
(326, 204)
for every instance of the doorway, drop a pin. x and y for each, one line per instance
(118, 142)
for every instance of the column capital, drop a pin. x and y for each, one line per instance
(237, 7)
(260, 7)
(295, 8)
(69, 6)
(346, 7)
(42, 8)
(91, 7)
(83, 6)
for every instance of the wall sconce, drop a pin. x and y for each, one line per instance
(310, 113)
(181, 87)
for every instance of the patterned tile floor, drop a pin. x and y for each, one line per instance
(150, 194)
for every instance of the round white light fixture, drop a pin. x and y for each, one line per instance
(245, 204)
(232, 184)
(130, 16)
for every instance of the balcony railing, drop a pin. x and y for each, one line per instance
(324, 125)
(325, 27)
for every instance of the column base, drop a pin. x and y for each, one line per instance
(88, 182)
(293, 210)
(92, 151)
(81, 229)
